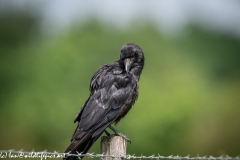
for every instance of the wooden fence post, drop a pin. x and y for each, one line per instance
(113, 145)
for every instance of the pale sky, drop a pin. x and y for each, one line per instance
(168, 15)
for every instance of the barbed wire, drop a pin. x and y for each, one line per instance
(44, 155)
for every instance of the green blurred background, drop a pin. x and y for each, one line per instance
(189, 101)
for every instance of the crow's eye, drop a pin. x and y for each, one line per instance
(135, 55)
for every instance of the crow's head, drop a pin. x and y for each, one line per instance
(132, 56)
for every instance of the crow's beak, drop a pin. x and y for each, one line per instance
(128, 64)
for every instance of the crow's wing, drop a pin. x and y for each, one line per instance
(110, 90)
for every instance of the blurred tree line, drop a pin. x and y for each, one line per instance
(189, 100)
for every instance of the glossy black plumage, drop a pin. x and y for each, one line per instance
(114, 89)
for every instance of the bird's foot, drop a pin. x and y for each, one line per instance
(120, 134)
(123, 136)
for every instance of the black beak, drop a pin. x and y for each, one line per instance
(128, 64)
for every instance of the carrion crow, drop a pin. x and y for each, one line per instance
(113, 91)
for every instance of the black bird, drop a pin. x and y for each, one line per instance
(114, 89)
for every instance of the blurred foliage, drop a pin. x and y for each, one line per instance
(189, 100)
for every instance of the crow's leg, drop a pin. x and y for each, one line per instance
(107, 133)
(119, 134)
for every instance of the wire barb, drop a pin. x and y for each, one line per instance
(11, 153)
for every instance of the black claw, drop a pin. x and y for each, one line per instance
(124, 137)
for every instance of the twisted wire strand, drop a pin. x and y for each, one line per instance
(44, 155)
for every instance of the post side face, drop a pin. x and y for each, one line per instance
(114, 146)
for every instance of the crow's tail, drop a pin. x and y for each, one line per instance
(81, 142)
